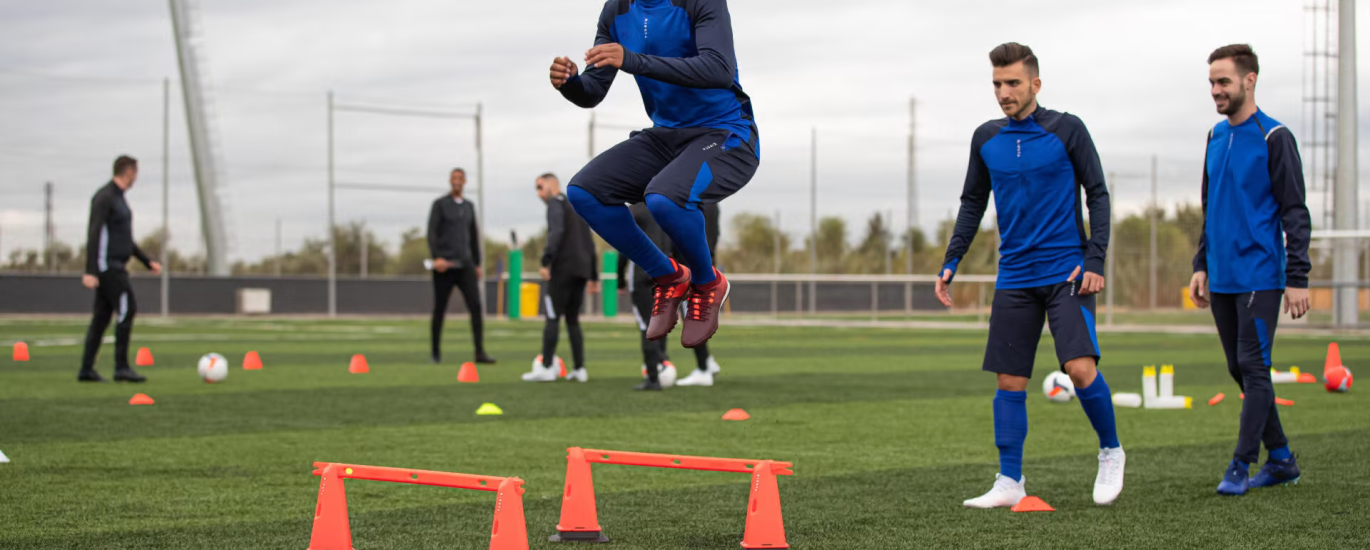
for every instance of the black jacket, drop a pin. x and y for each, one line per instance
(109, 239)
(570, 248)
(452, 232)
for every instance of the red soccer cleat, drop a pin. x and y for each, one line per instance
(701, 315)
(667, 296)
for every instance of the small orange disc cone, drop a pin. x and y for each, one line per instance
(468, 373)
(1217, 399)
(1283, 401)
(1032, 504)
(21, 351)
(252, 361)
(1308, 378)
(736, 414)
(358, 365)
(140, 399)
(144, 358)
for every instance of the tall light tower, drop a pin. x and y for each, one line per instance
(186, 26)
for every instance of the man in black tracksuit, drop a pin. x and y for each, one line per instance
(109, 245)
(454, 243)
(568, 266)
(639, 287)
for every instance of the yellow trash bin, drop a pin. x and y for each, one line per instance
(529, 298)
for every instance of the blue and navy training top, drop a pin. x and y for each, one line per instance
(1035, 168)
(681, 52)
(1256, 225)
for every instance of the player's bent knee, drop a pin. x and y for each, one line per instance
(1009, 382)
(659, 204)
(581, 200)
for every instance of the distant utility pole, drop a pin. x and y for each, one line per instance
(278, 247)
(47, 227)
(813, 219)
(1154, 207)
(912, 214)
(166, 193)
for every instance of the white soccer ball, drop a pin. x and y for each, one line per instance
(1058, 388)
(666, 374)
(213, 368)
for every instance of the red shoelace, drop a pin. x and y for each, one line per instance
(700, 306)
(662, 293)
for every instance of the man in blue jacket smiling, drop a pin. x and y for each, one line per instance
(702, 148)
(1253, 252)
(1036, 162)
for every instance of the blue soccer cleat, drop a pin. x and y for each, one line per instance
(1277, 472)
(1235, 480)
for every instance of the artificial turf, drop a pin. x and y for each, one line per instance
(888, 430)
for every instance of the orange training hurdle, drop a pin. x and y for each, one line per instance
(331, 528)
(580, 522)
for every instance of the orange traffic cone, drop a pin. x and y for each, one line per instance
(21, 351)
(358, 366)
(1333, 358)
(1032, 504)
(144, 358)
(331, 528)
(140, 399)
(765, 525)
(736, 414)
(468, 373)
(579, 520)
(252, 361)
(509, 531)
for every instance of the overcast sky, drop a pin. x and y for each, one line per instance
(80, 82)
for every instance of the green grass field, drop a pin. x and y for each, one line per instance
(889, 431)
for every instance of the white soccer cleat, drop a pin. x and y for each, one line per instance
(578, 375)
(697, 378)
(1006, 492)
(540, 373)
(1110, 481)
(713, 365)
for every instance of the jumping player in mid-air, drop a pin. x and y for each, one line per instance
(1253, 253)
(1035, 162)
(702, 148)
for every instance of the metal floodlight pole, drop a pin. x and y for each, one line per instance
(590, 151)
(813, 219)
(1151, 272)
(912, 220)
(480, 197)
(166, 192)
(1346, 310)
(332, 240)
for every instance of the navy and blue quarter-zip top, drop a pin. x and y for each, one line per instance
(1035, 168)
(1256, 224)
(681, 53)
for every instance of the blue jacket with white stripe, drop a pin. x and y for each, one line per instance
(1256, 225)
(681, 52)
(1035, 168)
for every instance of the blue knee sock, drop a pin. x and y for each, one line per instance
(1010, 431)
(1281, 453)
(1097, 401)
(614, 223)
(685, 226)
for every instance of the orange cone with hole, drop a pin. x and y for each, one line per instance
(140, 399)
(468, 373)
(509, 531)
(144, 358)
(736, 414)
(765, 524)
(358, 365)
(331, 528)
(252, 361)
(21, 351)
(1032, 504)
(579, 519)
(1333, 359)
